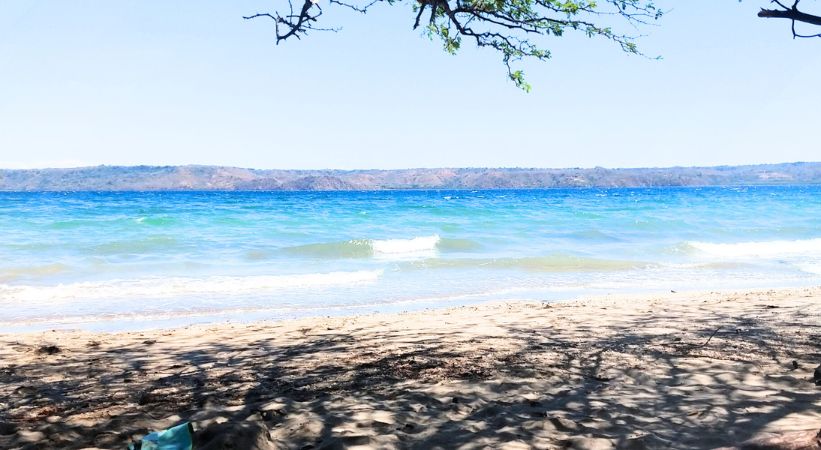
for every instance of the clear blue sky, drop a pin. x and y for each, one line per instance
(179, 82)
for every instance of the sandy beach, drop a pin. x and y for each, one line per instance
(681, 370)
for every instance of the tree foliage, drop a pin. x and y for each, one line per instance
(515, 29)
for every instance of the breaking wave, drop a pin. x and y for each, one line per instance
(367, 248)
(405, 246)
(181, 286)
(759, 248)
(555, 263)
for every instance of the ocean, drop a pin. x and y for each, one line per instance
(141, 260)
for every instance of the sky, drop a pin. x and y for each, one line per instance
(178, 82)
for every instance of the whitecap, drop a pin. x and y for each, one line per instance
(811, 267)
(765, 249)
(417, 245)
(170, 287)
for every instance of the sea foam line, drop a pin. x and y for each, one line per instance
(760, 248)
(366, 248)
(405, 246)
(811, 267)
(180, 286)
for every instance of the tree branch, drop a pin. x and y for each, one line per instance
(510, 27)
(793, 14)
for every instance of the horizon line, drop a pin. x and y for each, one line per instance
(131, 166)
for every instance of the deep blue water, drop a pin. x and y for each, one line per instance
(153, 259)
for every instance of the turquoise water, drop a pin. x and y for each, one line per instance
(143, 260)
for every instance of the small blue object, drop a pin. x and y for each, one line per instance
(180, 437)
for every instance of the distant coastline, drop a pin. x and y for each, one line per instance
(222, 178)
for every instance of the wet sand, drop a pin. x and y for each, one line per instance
(681, 370)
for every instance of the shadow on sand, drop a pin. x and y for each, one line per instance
(534, 384)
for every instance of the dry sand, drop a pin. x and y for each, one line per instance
(675, 371)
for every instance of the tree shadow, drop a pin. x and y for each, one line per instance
(524, 387)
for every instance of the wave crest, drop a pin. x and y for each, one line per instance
(180, 286)
(405, 246)
(365, 248)
(759, 248)
(555, 263)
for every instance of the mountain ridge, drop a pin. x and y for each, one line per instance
(226, 178)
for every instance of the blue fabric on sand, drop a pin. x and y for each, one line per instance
(176, 438)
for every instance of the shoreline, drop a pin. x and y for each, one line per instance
(259, 315)
(675, 370)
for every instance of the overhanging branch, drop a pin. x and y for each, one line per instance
(793, 14)
(513, 28)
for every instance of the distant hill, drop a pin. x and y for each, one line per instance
(176, 178)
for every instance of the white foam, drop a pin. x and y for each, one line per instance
(424, 244)
(811, 267)
(180, 286)
(766, 249)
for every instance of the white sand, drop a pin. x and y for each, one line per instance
(675, 371)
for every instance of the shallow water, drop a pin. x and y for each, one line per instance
(142, 260)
